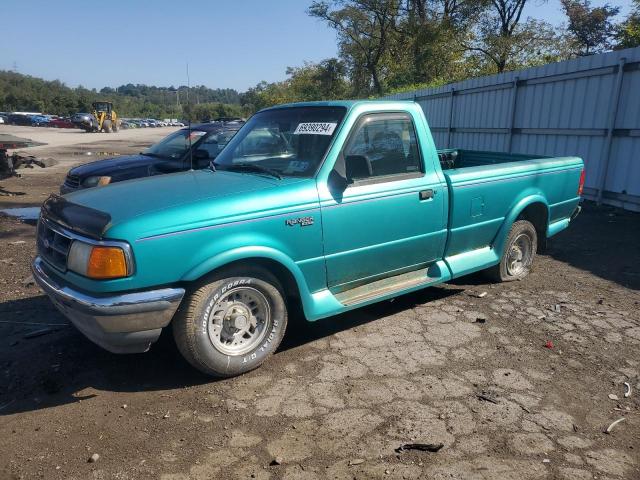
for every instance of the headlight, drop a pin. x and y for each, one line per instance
(99, 262)
(96, 181)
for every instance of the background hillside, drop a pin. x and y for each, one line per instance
(20, 92)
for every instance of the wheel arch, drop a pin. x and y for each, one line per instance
(280, 265)
(533, 208)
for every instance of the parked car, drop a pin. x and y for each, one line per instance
(64, 122)
(329, 205)
(40, 120)
(180, 151)
(228, 119)
(20, 119)
(84, 120)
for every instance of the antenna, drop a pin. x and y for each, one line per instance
(189, 119)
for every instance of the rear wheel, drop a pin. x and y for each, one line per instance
(233, 324)
(518, 255)
(106, 126)
(115, 126)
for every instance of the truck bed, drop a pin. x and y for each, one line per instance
(483, 187)
(454, 158)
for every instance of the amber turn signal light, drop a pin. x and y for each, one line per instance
(106, 262)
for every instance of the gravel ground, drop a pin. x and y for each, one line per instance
(517, 383)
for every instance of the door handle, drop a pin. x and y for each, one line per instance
(426, 194)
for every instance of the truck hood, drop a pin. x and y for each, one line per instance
(167, 198)
(107, 165)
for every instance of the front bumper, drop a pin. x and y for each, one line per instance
(121, 323)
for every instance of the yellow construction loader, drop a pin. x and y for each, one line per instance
(105, 118)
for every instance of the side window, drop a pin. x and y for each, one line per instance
(382, 145)
(210, 144)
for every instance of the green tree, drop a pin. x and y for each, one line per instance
(591, 30)
(628, 32)
(501, 40)
(325, 80)
(365, 31)
(22, 92)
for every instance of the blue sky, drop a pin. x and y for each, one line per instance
(228, 44)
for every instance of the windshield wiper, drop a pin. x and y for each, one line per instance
(251, 167)
(150, 154)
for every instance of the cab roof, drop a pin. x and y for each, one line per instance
(348, 104)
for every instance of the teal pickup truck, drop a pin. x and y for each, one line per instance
(332, 205)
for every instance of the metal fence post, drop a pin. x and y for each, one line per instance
(512, 113)
(613, 114)
(451, 109)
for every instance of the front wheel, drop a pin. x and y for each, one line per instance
(518, 254)
(231, 325)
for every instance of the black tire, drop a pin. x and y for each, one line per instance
(106, 126)
(522, 241)
(195, 333)
(115, 127)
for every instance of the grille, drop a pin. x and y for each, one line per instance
(53, 246)
(72, 181)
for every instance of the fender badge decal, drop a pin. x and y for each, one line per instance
(302, 221)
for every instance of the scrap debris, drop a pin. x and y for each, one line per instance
(487, 397)
(610, 427)
(627, 389)
(421, 447)
(10, 163)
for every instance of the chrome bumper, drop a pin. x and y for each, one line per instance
(122, 323)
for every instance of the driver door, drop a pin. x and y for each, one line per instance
(391, 218)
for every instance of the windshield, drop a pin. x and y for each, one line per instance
(175, 145)
(289, 141)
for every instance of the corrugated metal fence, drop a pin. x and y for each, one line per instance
(589, 107)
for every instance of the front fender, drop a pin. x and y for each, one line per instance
(514, 212)
(247, 253)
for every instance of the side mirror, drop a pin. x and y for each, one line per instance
(336, 182)
(357, 166)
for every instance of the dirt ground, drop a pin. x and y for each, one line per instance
(516, 380)
(66, 147)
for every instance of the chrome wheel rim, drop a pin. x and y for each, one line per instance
(520, 254)
(239, 321)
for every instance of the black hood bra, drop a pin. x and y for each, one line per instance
(80, 219)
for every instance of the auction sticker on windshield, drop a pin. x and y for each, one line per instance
(315, 128)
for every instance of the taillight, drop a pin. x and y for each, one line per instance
(581, 184)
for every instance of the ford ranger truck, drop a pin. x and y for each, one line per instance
(326, 205)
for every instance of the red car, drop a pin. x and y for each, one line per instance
(62, 123)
